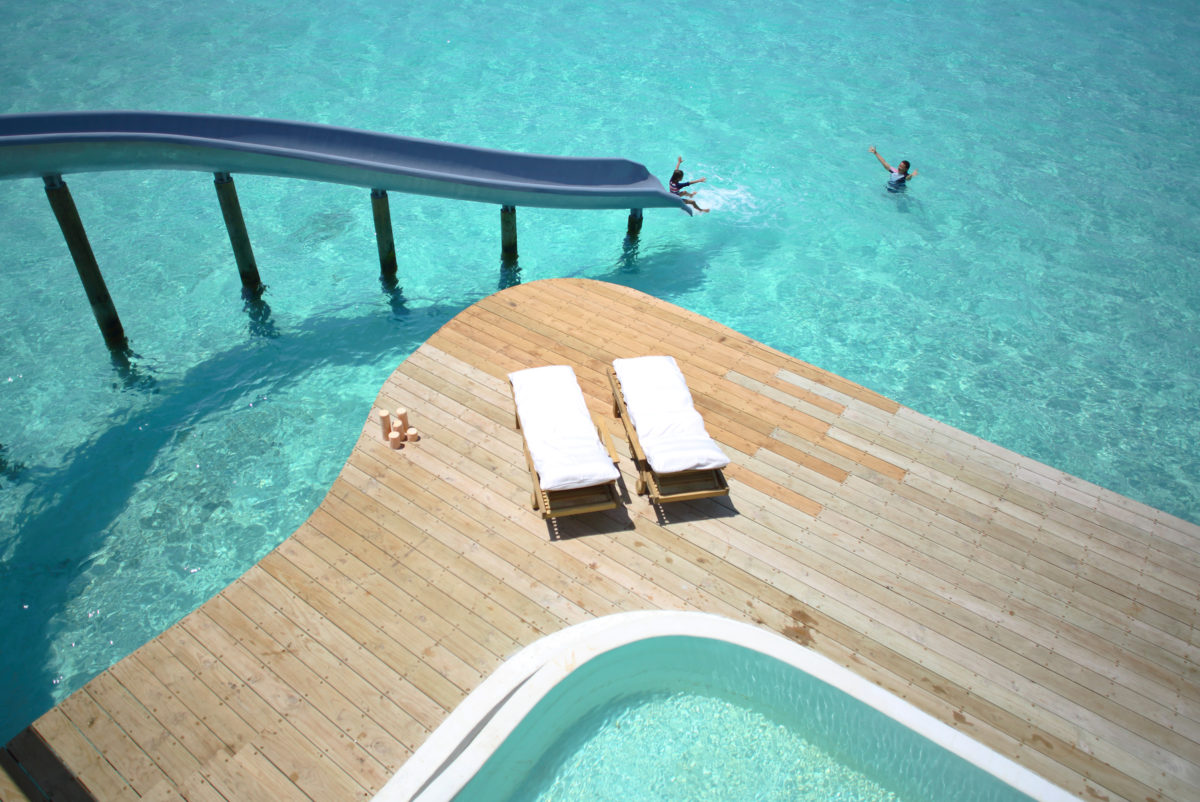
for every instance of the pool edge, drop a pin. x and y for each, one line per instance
(474, 730)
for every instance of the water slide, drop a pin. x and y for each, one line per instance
(36, 145)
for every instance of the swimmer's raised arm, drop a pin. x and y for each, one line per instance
(886, 166)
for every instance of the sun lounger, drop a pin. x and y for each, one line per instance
(676, 459)
(571, 471)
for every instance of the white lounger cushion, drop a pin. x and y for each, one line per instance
(559, 431)
(668, 426)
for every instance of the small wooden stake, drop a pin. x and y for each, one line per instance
(396, 440)
(385, 422)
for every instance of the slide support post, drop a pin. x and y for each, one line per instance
(85, 262)
(235, 224)
(635, 223)
(383, 235)
(508, 232)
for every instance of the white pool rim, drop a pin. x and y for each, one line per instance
(457, 749)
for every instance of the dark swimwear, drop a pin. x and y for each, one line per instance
(676, 186)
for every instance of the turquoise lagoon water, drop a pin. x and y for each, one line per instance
(1037, 286)
(686, 718)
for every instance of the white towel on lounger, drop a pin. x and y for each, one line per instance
(668, 426)
(559, 431)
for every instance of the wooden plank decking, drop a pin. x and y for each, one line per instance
(1052, 620)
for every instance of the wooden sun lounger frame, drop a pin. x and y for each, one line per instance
(576, 501)
(678, 486)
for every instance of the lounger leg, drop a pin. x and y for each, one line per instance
(534, 497)
(616, 408)
(641, 484)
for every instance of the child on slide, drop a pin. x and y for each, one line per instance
(677, 184)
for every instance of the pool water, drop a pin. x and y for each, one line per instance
(1037, 286)
(693, 746)
(695, 718)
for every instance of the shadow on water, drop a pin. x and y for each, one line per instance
(8, 469)
(130, 373)
(904, 203)
(627, 262)
(664, 271)
(64, 521)
(395, 295)
(907, 203)
(510, 273)
(259, 313)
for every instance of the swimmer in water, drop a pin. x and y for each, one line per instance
(677, 184)
(900, 175)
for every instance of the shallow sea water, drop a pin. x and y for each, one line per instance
(1037, 286)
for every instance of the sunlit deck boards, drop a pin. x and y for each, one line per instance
(1049, 619)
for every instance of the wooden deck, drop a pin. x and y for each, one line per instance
(1050, 619)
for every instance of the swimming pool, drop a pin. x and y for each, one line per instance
(671, 705)
(1037, 286)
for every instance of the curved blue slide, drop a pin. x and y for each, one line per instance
(36, 145)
